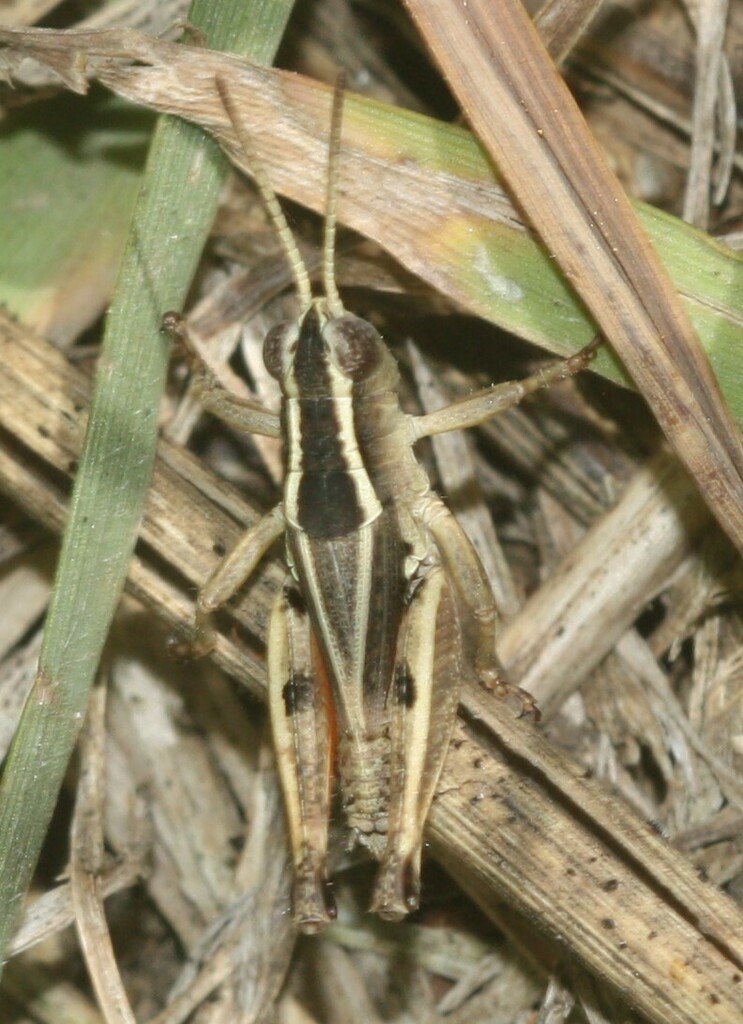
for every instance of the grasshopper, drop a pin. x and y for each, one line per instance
(384, 595)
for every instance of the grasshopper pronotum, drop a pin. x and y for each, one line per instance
(384, 592)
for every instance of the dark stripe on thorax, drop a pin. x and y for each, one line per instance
(322, 451)
(327, 502)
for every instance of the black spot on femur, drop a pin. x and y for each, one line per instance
(297, 694)
(295, 600)
(404, 685)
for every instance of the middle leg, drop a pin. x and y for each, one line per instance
(226, 580)
(483, 405)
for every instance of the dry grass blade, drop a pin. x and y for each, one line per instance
(561, 23)
(524, 114)
(86, 862)
(709, 18)
(620, 564)
(52, 912)
(512, 815)
(491, 811)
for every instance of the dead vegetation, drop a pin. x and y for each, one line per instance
(547, 896)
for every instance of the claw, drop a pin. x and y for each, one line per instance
(313, 904)
(525, 702)
(397, 888)
(174, 325)
(187, 650)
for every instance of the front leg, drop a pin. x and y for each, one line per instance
(299, 705)
(237, 412)
(226, 580)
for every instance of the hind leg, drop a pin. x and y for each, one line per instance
(466, 572)
(424, 703)
(300, 721)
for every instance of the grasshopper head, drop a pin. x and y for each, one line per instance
(323, 355)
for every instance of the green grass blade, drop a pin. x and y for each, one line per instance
(174, 211)
(495, 268)
(67, 200)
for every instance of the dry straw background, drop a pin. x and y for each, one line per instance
(585, 869)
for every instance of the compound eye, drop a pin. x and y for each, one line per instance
(279, 346)
(356, 346)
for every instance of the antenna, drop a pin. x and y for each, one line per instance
(258, 170)
(331, 289)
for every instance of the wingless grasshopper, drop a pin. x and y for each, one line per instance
(384, 594)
